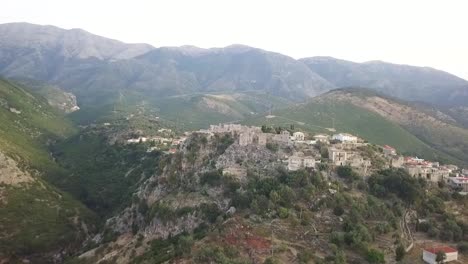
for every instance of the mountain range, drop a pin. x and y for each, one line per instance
(97, 69)
(69, 99)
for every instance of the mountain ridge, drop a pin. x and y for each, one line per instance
(97, 74)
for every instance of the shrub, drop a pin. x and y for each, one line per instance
(346, 172)
(272, 147)
(375, 256)
(463, 247)
(400, 253)
(283, 212)
(338, 210)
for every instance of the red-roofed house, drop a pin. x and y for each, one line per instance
(430, 254)
(387, 150)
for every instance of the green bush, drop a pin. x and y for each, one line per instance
(375, 256)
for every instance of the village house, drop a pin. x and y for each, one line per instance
(164, 130)
(397, 161)
(345, 138)
(430, 254)
(426, 170)
(389, 151)
(137, 140)
(298, 136)
(337, 156)
(458, 183)
(283, 137)
(246, 138)
(262, 139)
(161, 140)
(465, 172)
(225, 128)
(321, 138)
(298, 161)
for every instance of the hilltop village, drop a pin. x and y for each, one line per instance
(299, 150)
(319, 188)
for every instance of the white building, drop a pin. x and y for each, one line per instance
(345, 138)
(321, 138)
(137, 140)
(298, 136)
(458, 183)
(430, 254)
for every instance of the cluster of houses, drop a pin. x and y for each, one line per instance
(343, 150)
(165, 142)
(430, 171)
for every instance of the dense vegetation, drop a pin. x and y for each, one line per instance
(104, 175)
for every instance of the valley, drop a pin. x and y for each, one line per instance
(126, 153)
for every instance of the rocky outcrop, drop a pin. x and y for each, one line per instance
(10, 173)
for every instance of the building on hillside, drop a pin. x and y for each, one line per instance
(321, 138)
(465, 172)
(233, 128)
(308, 162)
(164, 130)
(337, 156)
(459, 184)
(397, 161)
(427, 171)
(283, 137)
(250, 137)
(262, 139)
(137, 140)
(298, 161)
(294, 163)
(430, 254)
(246, 138)
(298, 136)
(345, 138)
(452, 167)
(389, 151)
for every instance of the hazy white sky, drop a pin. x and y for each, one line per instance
(416, 32)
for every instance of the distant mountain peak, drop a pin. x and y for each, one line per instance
(72, 43)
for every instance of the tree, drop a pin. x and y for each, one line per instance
(400, 253)
(346, 172)
(440, 257)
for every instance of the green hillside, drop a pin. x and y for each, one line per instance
(187, 112)
(28, 122)
(36, 218)
(320, 117)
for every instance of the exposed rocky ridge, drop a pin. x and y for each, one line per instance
(175, 187)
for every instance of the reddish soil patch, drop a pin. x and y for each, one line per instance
(258, 243)
(241, 235)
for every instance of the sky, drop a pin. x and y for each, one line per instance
(415, 32)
